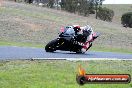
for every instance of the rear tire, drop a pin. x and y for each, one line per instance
(51, 46)
(79, 52)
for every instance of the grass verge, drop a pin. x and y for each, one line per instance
(110, 49)
(7, 43)
(58, 74)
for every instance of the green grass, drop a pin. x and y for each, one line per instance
(110, 49)
(7, 43)
(58, 74)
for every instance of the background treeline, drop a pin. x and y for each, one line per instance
(81, 7)
(87, 7)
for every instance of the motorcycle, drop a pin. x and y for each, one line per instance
(69, 41)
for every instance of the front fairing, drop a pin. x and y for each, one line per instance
(68, 33)
(67, 37)
(68, 30)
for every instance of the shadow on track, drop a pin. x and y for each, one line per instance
(72, 53)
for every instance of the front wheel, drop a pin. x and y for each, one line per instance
(51, 46)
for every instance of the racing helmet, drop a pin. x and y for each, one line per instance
(87, 30)
(76, 28)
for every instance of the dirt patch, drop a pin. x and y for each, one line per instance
(29, 25)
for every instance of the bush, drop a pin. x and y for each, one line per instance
(105, 14)
(92, 12)
(126, 19)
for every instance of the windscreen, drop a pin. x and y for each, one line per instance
(69, 30)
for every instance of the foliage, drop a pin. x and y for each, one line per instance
(28, 1)
(50, 3)
(81, 7)
(84, 7)
(105, 14)
(70, 5)
(126, 19)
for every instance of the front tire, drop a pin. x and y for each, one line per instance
(51, 46)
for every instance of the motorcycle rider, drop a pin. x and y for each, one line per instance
(88, 33)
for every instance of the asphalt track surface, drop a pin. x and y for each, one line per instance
(13, 52)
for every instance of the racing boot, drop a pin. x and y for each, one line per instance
(85, 47)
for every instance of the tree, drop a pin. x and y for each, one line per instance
(50, 3)
(82, 7)
(105, 14)
(29, 1)
(98, 4)
(126, 19)
(62, 4)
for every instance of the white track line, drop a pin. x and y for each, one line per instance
(78, 59)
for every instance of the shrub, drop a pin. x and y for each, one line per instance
(92, 12)
(105, 14)
(126, 19)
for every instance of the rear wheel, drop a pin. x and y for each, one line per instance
(79, 52)
(51, 46)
